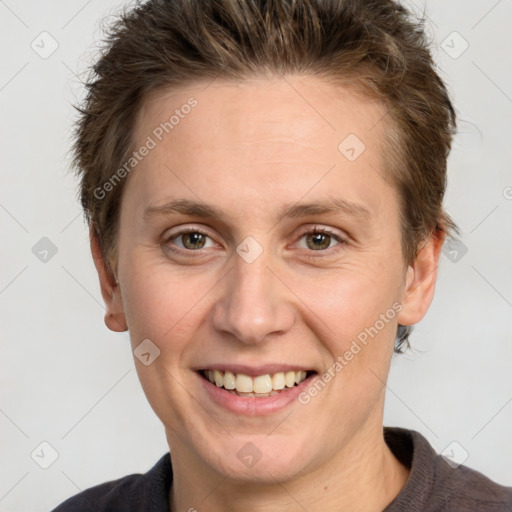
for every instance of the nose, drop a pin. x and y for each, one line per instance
(254, 302)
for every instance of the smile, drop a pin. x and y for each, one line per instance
(259, 386)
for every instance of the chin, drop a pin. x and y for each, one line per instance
(258, 458)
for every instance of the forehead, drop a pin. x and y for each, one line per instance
(269, 141)
(291, 109)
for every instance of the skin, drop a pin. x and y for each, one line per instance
(249, 148)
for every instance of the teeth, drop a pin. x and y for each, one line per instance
(244, 383)
(260, 385)
(229, 380)
(278, 381)
(219, 380)
(289, 379)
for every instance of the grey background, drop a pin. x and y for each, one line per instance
(68, 381)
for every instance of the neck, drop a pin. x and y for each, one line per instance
(364, 476)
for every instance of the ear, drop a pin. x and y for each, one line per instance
(421, 280)
(114, 317)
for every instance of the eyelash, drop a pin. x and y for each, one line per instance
(309, 255)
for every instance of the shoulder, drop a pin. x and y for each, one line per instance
(438, 485)
(463, 488)
(115, 493)
(147, 491)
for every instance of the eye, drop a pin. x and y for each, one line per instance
(320, 239)
(189, 239)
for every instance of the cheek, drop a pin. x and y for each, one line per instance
(349, 299)
(162, 304)
(164, 307)
(354, 314)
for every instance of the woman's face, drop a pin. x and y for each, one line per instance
(249, 287)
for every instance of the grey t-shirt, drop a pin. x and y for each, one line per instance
(433, 485)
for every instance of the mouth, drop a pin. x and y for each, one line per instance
(258, 386)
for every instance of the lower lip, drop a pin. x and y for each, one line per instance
(253, 406)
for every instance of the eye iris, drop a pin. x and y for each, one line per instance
(197, 240)
(318, 238)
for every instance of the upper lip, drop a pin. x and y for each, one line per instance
(254, 371)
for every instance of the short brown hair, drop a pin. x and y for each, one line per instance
(373, 45)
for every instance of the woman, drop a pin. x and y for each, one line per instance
(263, 182)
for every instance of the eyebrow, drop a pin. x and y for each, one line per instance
(330, 206)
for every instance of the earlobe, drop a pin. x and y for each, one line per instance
(115, 318)
(114, 324)
(421, 279)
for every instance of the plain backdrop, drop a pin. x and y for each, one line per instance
(68, 382)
